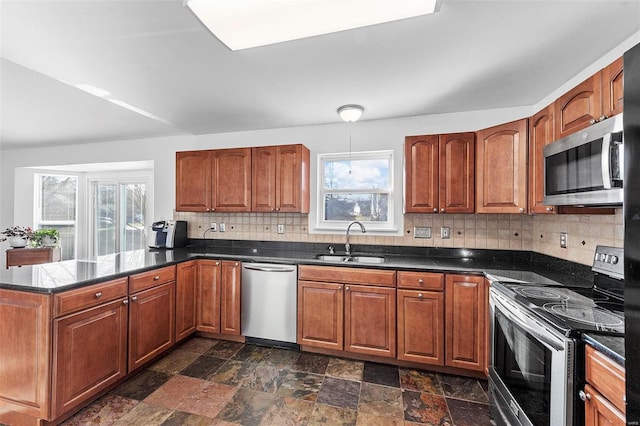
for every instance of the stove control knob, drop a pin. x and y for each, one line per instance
(613, 259)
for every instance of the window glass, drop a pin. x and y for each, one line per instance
(57, 209)
(356, 186)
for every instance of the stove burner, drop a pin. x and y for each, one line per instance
(541, 293)
(593, 315)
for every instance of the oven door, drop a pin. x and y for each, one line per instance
(531, 370)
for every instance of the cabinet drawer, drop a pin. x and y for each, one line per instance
(421, 280)
(606, 376)
(379, 277)
(86, 297)
(151, 278)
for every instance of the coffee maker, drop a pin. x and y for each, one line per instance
(168, 234)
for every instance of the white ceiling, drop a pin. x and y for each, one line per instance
(155, 56)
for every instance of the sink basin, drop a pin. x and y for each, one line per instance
(355, 259)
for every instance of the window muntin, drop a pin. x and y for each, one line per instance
(57, 200)
(356, 186)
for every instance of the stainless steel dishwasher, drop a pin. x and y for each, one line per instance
(269, 301)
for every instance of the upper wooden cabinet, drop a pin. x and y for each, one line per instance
(193, 181)
(598, 97)
(501, 167)
(613, 88)
(439, 173)
(541, 133)
(261, 179)
(280, 179)
(214, 180)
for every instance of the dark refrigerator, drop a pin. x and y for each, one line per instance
(632, 231)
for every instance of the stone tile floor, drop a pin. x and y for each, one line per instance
(215, 382)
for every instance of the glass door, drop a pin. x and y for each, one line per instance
(119, 217)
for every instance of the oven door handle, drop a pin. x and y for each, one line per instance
(523, 323)
(605, 161)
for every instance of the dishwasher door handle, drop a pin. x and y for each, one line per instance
(268, 268)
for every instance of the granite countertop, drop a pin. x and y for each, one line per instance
(495, 264)
(611, 346)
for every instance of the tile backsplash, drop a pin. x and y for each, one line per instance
(493, 231)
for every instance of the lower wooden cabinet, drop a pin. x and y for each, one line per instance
(348, 314)
(186, 296)
(219, 291)
(421, 326)
(89, 353)
(151, 323)
(370, 320)
(321, 315)
(604, 393)
(465, 322)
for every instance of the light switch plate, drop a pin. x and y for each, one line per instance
(563, 239)
(222, 227)
(280, 228)
(421, 232)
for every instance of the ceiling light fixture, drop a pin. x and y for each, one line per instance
(242, 24)
(350, 113)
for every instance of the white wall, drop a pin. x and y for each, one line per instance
(366, 135)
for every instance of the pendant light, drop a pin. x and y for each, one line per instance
(350, 113)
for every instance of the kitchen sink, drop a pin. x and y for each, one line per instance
(355, 259)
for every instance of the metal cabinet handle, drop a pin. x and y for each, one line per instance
(602, 118)
(217, 263)
(339, 287)
(156, 278)
(347, 288)
(435, 210)
(134, 298)
(521, 209)
(125, 302)
(420, 281)
(98, 295)
(549, 209)
(584, 395)
(593, 121)
(442, 210)
(420, 295)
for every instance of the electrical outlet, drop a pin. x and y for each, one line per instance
(421, 232)
(280, 228)
(563, 239)
(445, 232)
(222, 227)
(213, 227)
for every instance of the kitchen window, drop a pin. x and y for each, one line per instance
(56, 208)
(356, 186)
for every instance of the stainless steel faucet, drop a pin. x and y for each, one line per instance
(347, 246)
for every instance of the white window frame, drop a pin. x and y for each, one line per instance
(323, 225)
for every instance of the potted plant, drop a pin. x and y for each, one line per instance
(18, 236)
(46, 237)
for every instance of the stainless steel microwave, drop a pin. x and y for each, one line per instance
(587, 167)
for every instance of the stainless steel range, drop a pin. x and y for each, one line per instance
(537, 355)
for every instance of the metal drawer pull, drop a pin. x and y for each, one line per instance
(134, 298)
(420, 295)
(125, 302)
(98, 295)
(156, 278)
(421, 281)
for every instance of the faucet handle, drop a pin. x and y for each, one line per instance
(332, 249)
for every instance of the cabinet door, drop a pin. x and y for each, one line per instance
(321, 314)
(232, 180)
(421, 326)
(292, 179)
(457, 173)
(501, 167)
(186, 296)
(263, 177)
(421, 156)
(152, 324)
(230, 298)
(575, 109)
(465, 319)
(89, 353)
(599, 411)
(193, 181)
(613, 88)
(541, 133)
(25, 342)
(370, 320)
(209, 278)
